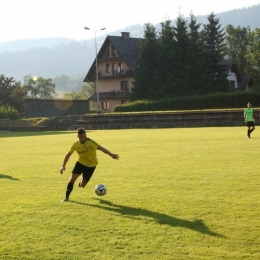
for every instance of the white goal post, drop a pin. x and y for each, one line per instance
(5, 125)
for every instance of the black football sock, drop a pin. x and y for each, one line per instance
(252, 130)
(248, 132)
(69, 189)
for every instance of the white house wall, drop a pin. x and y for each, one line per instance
(113, 84)
(232, 77)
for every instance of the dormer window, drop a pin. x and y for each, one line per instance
(113, 49)
(107, 53)
(107, 68)
(120, 67)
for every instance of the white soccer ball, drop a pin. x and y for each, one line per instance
(100, 189)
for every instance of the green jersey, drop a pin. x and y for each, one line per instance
(249, 114)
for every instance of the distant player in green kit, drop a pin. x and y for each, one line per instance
(249, 119)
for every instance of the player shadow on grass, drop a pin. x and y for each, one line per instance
(163, 219)
(3, 176)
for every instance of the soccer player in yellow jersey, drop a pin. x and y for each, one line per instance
(86, 163)
(249, 119)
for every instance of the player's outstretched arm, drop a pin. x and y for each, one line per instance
(66, 158)
(104, 150)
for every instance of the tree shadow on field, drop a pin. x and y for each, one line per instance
(163, 219)
(3, 176)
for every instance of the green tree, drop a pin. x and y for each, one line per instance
(146, 65)
(196, 69)
(86, 91)
(62, 82)
(165, 85)
(39, 87)
(213, 39)
(237, 42)
(180, 82)
(12, 94)
(253, 56)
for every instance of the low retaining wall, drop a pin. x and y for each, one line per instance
(145, 120)
(154, 120)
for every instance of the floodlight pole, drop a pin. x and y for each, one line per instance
(97, 92)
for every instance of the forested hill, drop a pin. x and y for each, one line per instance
(243, 17)
(60, 56)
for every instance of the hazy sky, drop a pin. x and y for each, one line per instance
(34, 19)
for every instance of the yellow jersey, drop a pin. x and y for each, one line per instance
(86, 152)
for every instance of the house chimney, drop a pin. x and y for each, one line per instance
(125, 35)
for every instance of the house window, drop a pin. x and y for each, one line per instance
(124, 85)
(105, 105)
(107, 54)
(124, 88)
(120, 66)
(113, 69)
(107, 68)
(113, 50)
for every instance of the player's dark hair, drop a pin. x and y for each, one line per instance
(81, 131)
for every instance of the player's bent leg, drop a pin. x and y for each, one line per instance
(70, 185)
(83, 183)
(248, 132)
(252, 129)
(86, 176)
(73, 177)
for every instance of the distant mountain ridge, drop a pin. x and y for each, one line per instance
(52, 57)
(25, 44)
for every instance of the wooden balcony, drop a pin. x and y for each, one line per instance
(114, 74)
(120, 93)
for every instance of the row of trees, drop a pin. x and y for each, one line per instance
(184, 60)
(39, 87)
(66, 83)
(243, 45)
(45, 88)
(13, 94)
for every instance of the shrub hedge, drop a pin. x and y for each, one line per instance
(210, 101)
(10, 113)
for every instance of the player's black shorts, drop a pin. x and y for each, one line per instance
(250, 123)
(85, 170)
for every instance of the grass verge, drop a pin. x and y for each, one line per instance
(186, 193)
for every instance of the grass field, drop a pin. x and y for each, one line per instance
(186, 193)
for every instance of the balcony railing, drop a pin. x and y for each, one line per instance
(109, 56)
(103, 73)
(120, 93)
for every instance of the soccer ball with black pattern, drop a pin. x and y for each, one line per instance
(100, 189)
